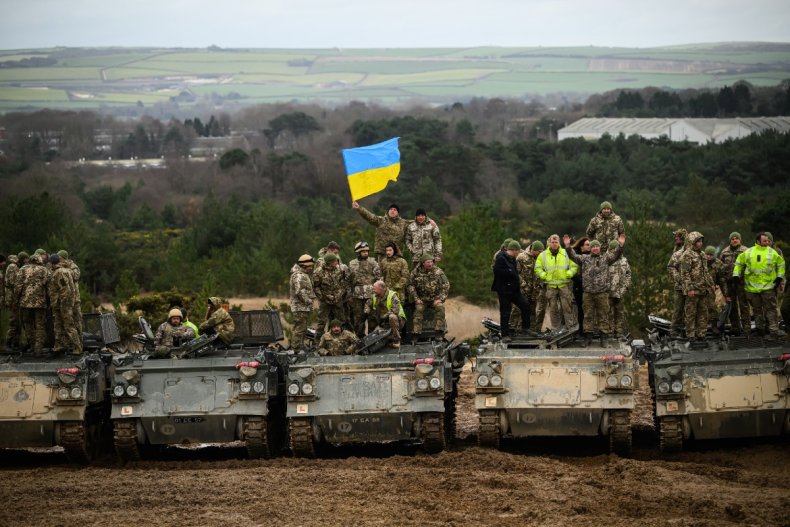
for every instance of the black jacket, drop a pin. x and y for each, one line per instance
(506, 279)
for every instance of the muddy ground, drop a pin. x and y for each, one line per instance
(567, 482)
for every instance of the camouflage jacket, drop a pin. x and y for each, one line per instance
(595, 268)
(11, 273)
(75, 270)
(729, 255)
(530, 284)
(343, 344)
(319, 262)
(363, 274)
(694, 272)
(605, 229)
(423, 239)
(387, 230)
(332, 285)
(674, 268)
(718, 276)
(619, 278)
(301, 290)
(166, 333)
(30, 289)
(220, 321)
(395, 273)
(428, 285)
(61, 287)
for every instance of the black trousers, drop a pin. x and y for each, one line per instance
(505, 302)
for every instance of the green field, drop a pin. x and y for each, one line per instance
(81, 78)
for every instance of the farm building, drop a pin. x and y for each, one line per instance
(681, 129)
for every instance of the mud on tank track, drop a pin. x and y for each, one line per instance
(546, 482)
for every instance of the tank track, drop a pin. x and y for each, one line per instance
(433, 432)
(670, 434)
(489, 434)
(77, 442)
(256, 437)
(301, 433)
(620, 436)
(125, 439)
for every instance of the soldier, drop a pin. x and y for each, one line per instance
(389, 228)
(218, 321)
(302, 296)
(537, 296)
(507, 285)
(696, 286)
(717, 276)
(529, 283)
(14, 317)
(395, 271)
(428, 286)
(332, 287)
(605, 226)
(61, 291)
(595, 272)
(30, 294)
(331, 247)
(423, 237)
(75, 273)
(337, 341)
(173, 332)
(364, 272)
(619, 283)
(763, 270)
(740, 315)
(388, 311)
(555, 270)
(679, 299)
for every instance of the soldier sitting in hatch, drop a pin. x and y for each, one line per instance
(218, 321)
(337, 341)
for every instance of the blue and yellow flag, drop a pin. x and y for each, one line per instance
(370, 168)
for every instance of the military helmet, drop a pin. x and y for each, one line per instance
(175, 312)
(305, 260)
(330, 257)
(537, 245)
(12, 258)
(694, 236)
(63, 253)
(711, 250)
(361, 246)
(613, 245)
(333, 245)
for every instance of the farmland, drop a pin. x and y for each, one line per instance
(92, 78)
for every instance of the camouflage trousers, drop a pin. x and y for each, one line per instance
(740, 312)
(696, 315)
(617, 316)
(299, 329)
(328, 312)
(66, 335)
(14, 328)
(76, 313)
(439, 322)
(596, 313)
(394, 323)
(539, 303)
(559, 302)
(764, 309)
(359, 317)
(34, 321)
(678, 312)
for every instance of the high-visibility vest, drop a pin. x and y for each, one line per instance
(760, 266)
(390, 294)
(555, 271)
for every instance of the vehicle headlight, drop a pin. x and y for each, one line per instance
(496, 380)
(663, 387)
(482, 380)
(245, 387)
(258, 387)
(422, 384)
(293, 389)
(612, 381)
(626, 381)
(76, 392)
(131, 390)
(435, 383)
(307, 388)
(677, 386)
(63, 393)
(119, 390)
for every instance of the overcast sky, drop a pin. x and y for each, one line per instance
(397, 23)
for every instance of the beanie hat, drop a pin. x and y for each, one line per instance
(63, 253)
(606, 205)
(420, 212)
(770, 236)
(513, 245)
(735, 234)
(305, 259)
(330, 257)
(175, 312)
(394, 206)
(333, 245)
(22, 255)
(595, 243)
(506, 242)
(425, 257)
(54, 259)
(537, 245)
(39, 252)
(614, 244)
(335, 322)
(710, 250)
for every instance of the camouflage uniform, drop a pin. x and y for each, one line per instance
(62, 290)
(77, 307)
(605, 229)
(302, 296)
(343, 344)
(694, 277)
(388, 312)
(740, 313)
(219, 321)
(364, 272)
(619, 283)
(10, 278)
(30, 293)
(423, 238)
(427, 286)
(595, 277)
(166, 334)
(332, 286)
(395, 273)
(679, 299)
(717, 276)
(387, 230)
(530, 288)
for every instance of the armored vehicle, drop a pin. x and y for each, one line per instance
(551, 385)
(378, 394)
(60, 400)
(720, 388)
(202, 392)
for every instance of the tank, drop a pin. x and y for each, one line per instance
(377, 395)
(551, 385)
(60, 400)
(202, 393)
(726, 387)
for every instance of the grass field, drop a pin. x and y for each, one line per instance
(123, 76)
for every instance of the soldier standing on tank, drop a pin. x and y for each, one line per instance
(696, 286)
(528, 284)
(605, 226)
(423, 237)
(332, 288)
(679, 299)
(61, 291)
(365, 272)
(429, 287)
(173, 332)
(218, 321)
(387, 310)
(717, 275)
(75, 273)
(537, 296)
(389, 228)
(14, 317)
(302, 297)
(331, 247)
(619, 283)
(740, 315)
(395, 271)
(507, 286)
(337, 341)
(555, 270)
(30, 294)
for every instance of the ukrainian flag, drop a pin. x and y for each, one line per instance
(370, 168)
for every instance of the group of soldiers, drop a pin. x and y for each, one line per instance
(178, 329)
(37, 288)
(370, 291)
